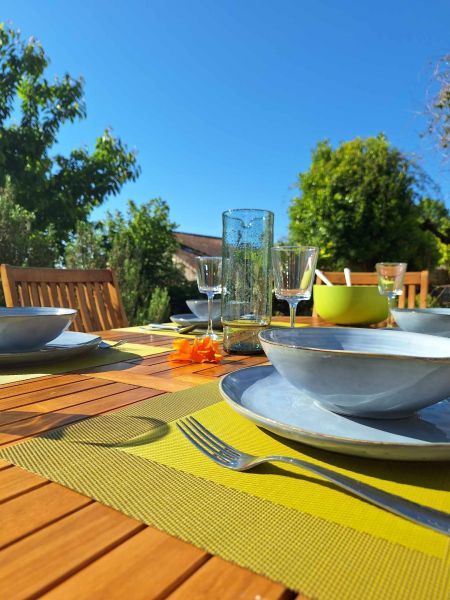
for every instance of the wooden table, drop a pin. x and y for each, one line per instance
(56, 543)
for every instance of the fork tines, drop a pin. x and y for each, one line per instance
(207, 442)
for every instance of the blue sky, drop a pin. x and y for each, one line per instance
(224, 99)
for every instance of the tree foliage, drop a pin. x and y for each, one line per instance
(20, 242)
(60, 190)
(140, 247)
(439, 107)
(360, 204)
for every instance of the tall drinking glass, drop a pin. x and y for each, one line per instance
(247, 278)
(390, 283)
(209, 281)
(293, 271)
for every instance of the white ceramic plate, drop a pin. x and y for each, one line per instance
(191, 319)
(66, 345)
(263, 396)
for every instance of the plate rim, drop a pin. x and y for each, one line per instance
(18, 358)
(45, 347)
(314, 435)
(197, 320)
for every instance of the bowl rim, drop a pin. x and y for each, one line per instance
(202, 300)
(342, 285)
(440, 311)
(360, 354)
(28, 311)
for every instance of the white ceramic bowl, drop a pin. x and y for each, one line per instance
(362, 372)
(200, 309)
(23, 329)
(434, 321)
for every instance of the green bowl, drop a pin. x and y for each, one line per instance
(350, 305)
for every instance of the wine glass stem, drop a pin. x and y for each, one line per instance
(209, 331)
(292, 312)
(391, 304)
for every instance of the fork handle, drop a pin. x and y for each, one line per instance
(429, 517)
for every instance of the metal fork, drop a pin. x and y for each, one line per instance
(231, 458)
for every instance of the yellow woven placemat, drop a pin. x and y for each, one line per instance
(95, 358)
(279, 522)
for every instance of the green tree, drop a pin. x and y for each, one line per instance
(87, 248)
(60, 190)
(435, 218)
(360, 204)
(21, 243)
(139, 246)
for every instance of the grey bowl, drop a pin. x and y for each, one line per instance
(200, 309)
(23, 329)
(434, 321)
(362, 372)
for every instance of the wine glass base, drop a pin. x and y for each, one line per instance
(212, 336)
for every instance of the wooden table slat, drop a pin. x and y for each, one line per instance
(36, 509)
(33, 385)
(15, 481)
(221, 579)
(142, 568)
(44, 397)
(38, 562)
(44, 422)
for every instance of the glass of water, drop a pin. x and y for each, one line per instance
(390, 283)
(293, 272)
(209, 281)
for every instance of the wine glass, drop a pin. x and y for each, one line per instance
(293, 271)
(209, 281)
(390, 283)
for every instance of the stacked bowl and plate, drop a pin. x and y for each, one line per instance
(38, 334)
(380, 393)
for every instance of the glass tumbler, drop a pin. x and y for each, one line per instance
(246, 278)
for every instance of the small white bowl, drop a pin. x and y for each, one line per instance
(434, 321)
(23, 329)
(200, 309)
(362, 372)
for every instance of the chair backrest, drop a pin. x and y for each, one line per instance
(95, 293)
(415, 282)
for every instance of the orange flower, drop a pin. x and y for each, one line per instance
(199, 351)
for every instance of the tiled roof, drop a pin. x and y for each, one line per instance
(192, 245)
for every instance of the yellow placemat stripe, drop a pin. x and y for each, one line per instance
(294, 488)
(315, 540)
(95, 358)
(165, 333)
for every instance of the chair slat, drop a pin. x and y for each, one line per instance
(92, 306)
(411, 296)
(63, 295)
(34, 294)
(24, 294)
(84, 309)
(109, 306)
(53, 294)
(101, 307)
(44, 294)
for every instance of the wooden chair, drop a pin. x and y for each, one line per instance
(95, 293)
(415, 282)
